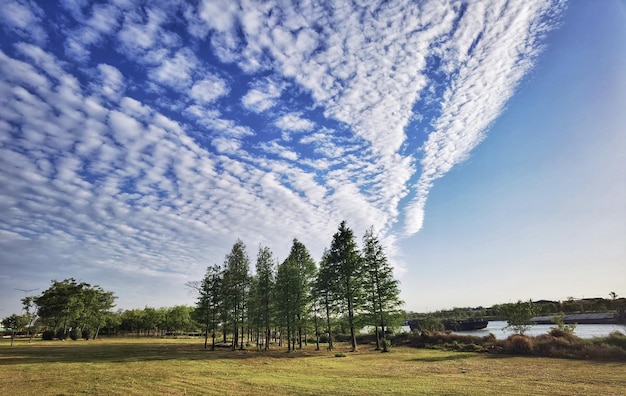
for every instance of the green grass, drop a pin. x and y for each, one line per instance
(179, 367)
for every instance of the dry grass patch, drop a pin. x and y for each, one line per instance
(179, 367)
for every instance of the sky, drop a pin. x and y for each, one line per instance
(484, 142)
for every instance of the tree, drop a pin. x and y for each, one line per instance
(305, 277)
(265, 285)
(210, 302)
(518, 315)
(323, 290)
(285, 297)
(347, 264)
(68, 304)
(236, 282)
(16, 323)
(381, 287)
(179, 319)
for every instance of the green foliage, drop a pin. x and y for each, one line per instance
(617, 339)
(346, 264)
(559, 321)
(70, 304)
(293, 291)
(430, 324)
(74, 334)
(47, 335)
(16, 323)
(381, 289)
(518, 315)
(60, 333)
(236, 283)
(210, 302)
(86, 334)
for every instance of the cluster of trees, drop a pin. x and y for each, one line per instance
(352, 286)
(283, 302)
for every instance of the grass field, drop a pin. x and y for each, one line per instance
(182, 367)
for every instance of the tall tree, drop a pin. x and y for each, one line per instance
(236, 282)
(346, 263)
(285, 293)
(323, 290)
(210, 302)
(381, 288)
(265, 285)
(306, 271)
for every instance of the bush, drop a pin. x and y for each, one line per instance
(617, 339)
(60, 334)
(519, 345)
(340, 354)
(47, 335)
(86, 334)
(74, 334)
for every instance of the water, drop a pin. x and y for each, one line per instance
(582, 330)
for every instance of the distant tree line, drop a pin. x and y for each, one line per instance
(540, 308)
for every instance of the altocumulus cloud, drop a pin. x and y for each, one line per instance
(148, 137)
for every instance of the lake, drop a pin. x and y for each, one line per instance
(582, 330)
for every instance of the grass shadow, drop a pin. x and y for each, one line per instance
(112, 352)
(455, 356)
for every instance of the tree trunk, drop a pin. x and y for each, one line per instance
(328, 329)
(377, 338)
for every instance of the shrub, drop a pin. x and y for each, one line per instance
(617, 339)
(86, 334)
(340, 354)
(74, 334)
(47, 335)
(60, 334)
(519, 345)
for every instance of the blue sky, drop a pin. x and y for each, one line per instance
(483, 141)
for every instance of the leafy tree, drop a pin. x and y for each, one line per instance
(30, 310)
(347, 264)
(559, 321)
(285, 296)
(323, 292)
(518, 315)
(305, 277)
(264, 287)
(16, 323)
(70, 304)
(236, 282)
(381, 287)
(210, 302)
(179, 319)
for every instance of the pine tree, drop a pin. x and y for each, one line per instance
(236, 283)
(265, 285)
(346, 263)
(381, 288)
(210, 301)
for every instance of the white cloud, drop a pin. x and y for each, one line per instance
(262, 96)
(111, 82)
(294, 122)
(209, 89)
(483, 83)
(176, 72)
(23, 18)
